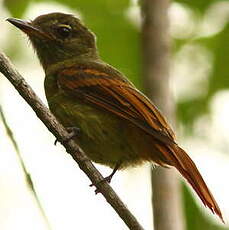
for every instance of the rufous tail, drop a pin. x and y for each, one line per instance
(184, 164)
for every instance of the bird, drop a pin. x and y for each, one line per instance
(118, 125)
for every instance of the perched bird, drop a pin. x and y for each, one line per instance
(119, 126)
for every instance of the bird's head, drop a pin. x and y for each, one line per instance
(57, 37)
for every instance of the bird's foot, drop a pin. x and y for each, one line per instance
(105, 179)
(108, 178)
(73, 132)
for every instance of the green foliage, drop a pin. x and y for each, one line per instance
(188, 111)
(16, 8)
(218, 44)
(198, 5)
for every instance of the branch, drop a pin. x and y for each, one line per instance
(43, 113)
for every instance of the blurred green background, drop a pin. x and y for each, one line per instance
(199, 31)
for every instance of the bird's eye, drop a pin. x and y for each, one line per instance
(64, 31)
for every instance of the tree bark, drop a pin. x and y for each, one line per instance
(167, 206)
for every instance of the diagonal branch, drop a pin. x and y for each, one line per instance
(43, 113)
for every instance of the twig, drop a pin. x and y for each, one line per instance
(71, 147)
(28, 177)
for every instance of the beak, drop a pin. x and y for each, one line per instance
(28, 28)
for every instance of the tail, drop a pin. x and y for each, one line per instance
(184, 164)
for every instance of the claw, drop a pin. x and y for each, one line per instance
(73, 132)
(108, 178)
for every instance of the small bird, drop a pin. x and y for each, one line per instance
(119, 126)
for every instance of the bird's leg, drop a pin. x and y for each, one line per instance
(73, 132)
(108, 178)
(117, 166)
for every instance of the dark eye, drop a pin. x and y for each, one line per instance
(64, 31)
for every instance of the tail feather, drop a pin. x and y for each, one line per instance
(184, 164)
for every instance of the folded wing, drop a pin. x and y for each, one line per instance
(121, 98)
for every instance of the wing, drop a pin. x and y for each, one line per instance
(117, 96)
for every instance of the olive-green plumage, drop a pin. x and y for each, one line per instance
(98, 130)
(119, 126)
